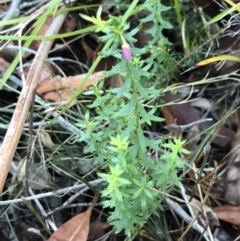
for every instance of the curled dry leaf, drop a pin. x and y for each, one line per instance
(203, 103)
(59, 89)
(45, 138)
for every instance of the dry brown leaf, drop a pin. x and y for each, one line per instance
(167, 115)
(182, 113)
(192, 139)
(3, 65)
(61, 95)
(4, 7)
(97, 229)
(185, 114)
(116, 81)
(58, 88)
(76, 229)
(209, 6)
(36, 43)
(212, 220)
(105, 63)
(143, 38)
(45, 74)
(212, 217)
(232, 190)
(69, 24)
(228, 213)
(88, 50)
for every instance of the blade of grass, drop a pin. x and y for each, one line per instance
(218, 58)
(223, 14)
(29, 40)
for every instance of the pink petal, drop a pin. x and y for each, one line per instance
(126, 52)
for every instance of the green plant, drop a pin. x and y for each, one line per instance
(136, 163)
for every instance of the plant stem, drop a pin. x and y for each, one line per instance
(91, 70)
(129, 11)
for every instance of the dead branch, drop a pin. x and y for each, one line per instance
(10, 142)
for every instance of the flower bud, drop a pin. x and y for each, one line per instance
(126, 50)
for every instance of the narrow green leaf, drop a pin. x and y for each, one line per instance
(127, 109)
(143, 201)
(156, 118)
(118, 195)
(148, 194)
(141, 90)
(141, 139)
(86, 17)
(99, 12)
(223, 14)
(218, 58)
(39, 23)
(136, 194)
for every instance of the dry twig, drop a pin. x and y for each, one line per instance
(26, 97)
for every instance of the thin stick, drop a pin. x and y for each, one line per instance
(10, 142)
(183, 127)
(63, 191)
(13, 12)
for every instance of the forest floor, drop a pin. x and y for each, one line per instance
(119, 120)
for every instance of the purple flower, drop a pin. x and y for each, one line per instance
(126, 50)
